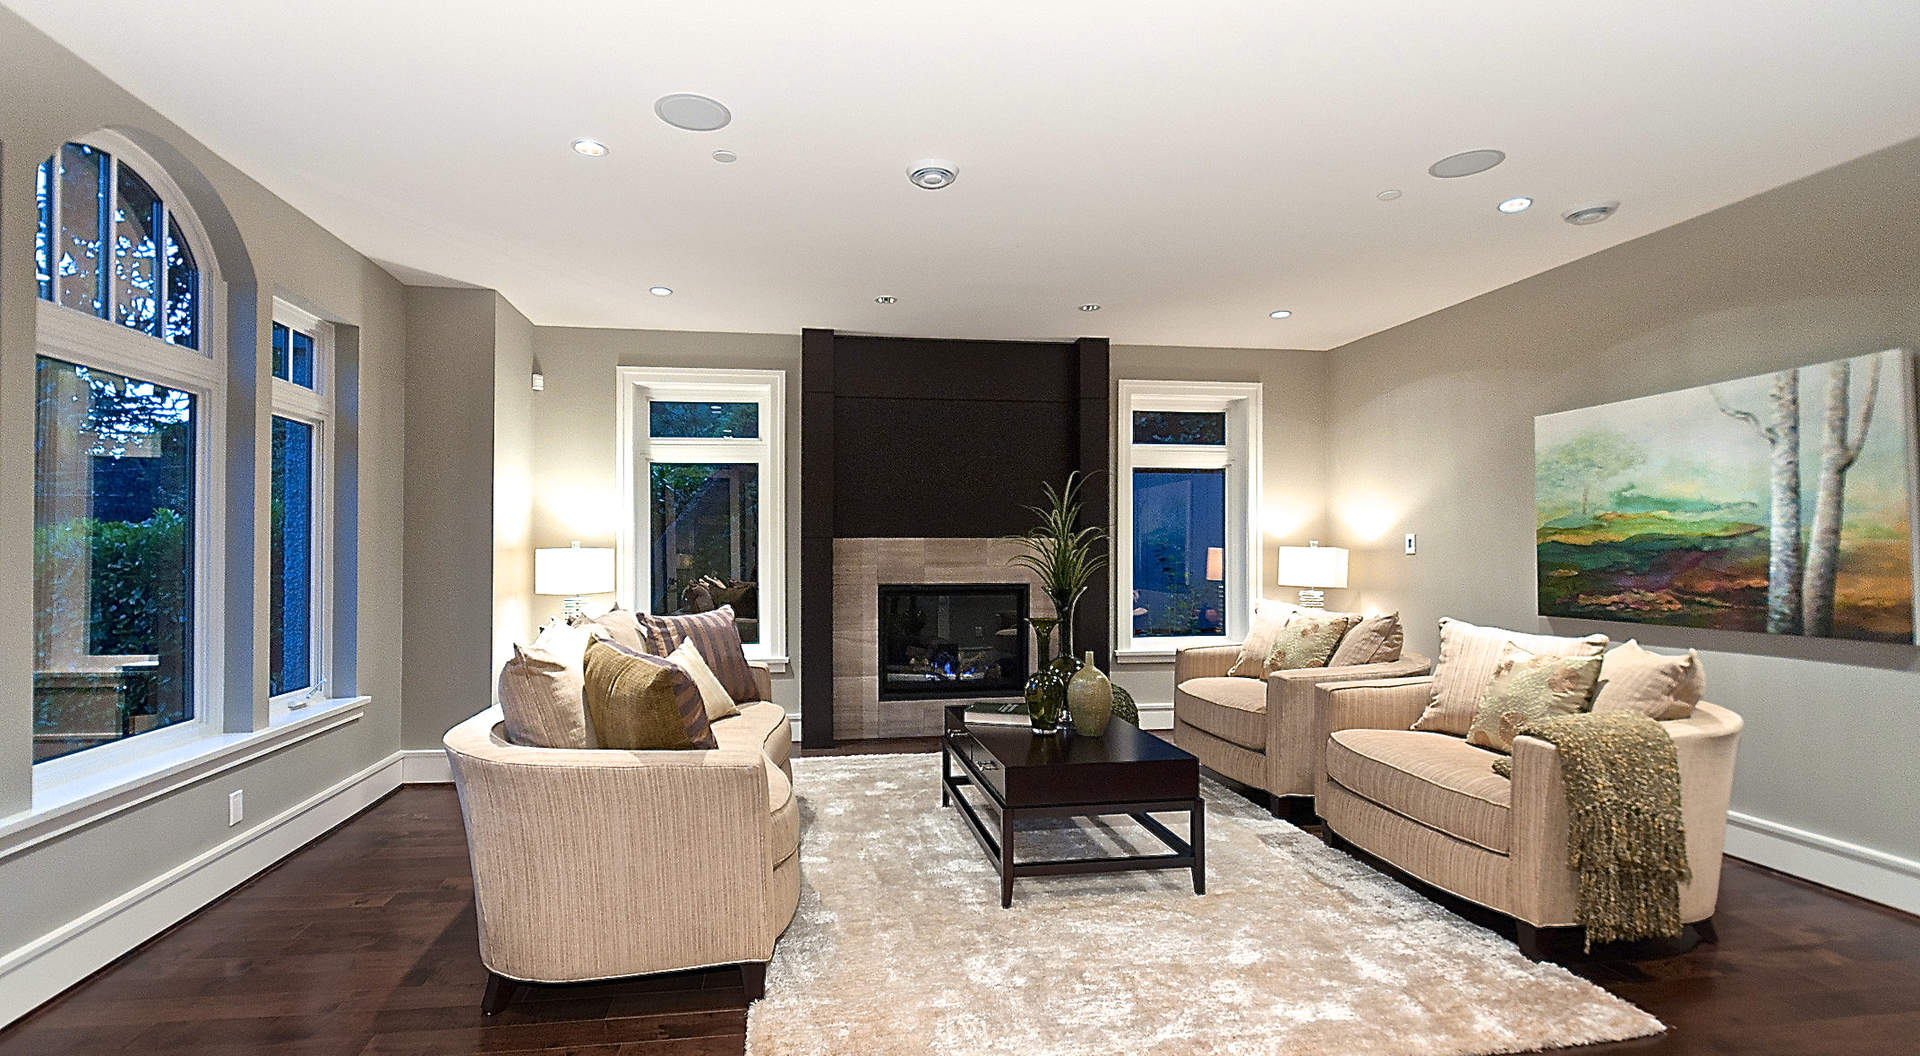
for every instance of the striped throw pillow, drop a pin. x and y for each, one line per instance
(638, 702)
(718, 639)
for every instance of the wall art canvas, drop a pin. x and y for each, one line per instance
(1784, 503)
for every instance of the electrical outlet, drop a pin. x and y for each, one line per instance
(236, 807)
(1412, 544)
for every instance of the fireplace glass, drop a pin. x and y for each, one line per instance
(947, 640)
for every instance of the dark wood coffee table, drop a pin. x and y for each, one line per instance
(1024, 775)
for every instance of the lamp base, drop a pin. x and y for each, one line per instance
(1313, 599)
(572, 610)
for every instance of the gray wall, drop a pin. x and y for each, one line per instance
(577, 487)
(264, 248)
(1432, 423)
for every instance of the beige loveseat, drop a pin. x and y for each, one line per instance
(599, 864)
(1431, 805)
(1260, 731)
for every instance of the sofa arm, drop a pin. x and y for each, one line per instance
(1376, 704)
(568, 846)
(1203, 661)
(1293, 752)
(762, 679)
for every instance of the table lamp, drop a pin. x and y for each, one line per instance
(570, 571)
(1313, 568)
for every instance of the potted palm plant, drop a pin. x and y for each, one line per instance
(1065, 557)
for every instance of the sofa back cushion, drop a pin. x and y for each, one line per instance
(639, 702)
(1659, 687)
(1524, 687)
(1468, 655)
(718, 702)
(1268, 620)
(541, 690)
(1374, 640)
(618, 626)
(716, 636)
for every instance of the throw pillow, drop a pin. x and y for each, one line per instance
(1525, 687)
(714, 696)
(1659, 687)
(639, 702)
(1268, 620)
(718, 639)
(1374, 640)
(541, 690)
(616, 625)
(1308, 641)
(1467, 658)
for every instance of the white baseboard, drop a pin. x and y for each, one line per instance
(425, 766)
(1155, 716)
(1874, 875)
(42, 968)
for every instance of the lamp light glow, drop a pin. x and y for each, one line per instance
(1313, 568)
(570, 571)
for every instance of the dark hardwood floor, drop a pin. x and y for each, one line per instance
(363, 943)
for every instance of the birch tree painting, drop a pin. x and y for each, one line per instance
(1784, 503)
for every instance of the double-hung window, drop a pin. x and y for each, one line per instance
(127, 457)
(703, 483)
(1187, 500)
(297, 529)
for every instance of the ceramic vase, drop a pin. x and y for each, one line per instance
(1090, 700)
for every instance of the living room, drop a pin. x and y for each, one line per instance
(843, 529)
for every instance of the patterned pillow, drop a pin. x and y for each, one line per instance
(1268, 620)
(716, 636)
(1525, 687)
(1467, 658)
(1308, 641)
(1374, 640)
(639, 702)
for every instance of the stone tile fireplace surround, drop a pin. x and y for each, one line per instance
(859, 567)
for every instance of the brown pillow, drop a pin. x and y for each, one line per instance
(1525, 687)
(1374, 640)
(1468, 655)
(716, 636)
(640, 702)
(616, 625)
(541, 690)
(1308, 640)
(1659, 687)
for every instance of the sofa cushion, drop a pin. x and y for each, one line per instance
(1233, 709)
(1441, 782)
(541, 690)
(1374, 640)
(783, 838)
(718, 639)
(1525, 687)
(718, 702)
(761, 726)
(1468, 655)
(616, 625)
(1657, 686)
(1268, 619)
(639, 702)
(1308, 640)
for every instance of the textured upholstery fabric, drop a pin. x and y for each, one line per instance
(1659, 687)
(541, 688)
(642, 702)
(1435, 779)
(1525, 687)
(1468, 655)
(1374, 640)
(713, 696)
(760, 726)
(1308, 640)
(1250, 657)
(783, 817)
(1470, 871)
(718, 639)
(1207, 661)
(1232, 709)
(1221, 757)
(619, 626)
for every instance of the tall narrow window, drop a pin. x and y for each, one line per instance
(704, 487)
(1188, 478)
(299, 556)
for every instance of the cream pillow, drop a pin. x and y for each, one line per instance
(1659, 687)
(713, 695)
(1468, 655)
(541, 690)
(1268, 619)
(617, 625)
(1374, 640)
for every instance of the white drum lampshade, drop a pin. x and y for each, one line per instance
(570, 571)
(1313, 568)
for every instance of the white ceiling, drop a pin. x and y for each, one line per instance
(1189, 166)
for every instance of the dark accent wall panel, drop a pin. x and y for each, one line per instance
(923, 468)
(1093, 622)
(816, 538)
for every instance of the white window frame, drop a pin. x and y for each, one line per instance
(1240, 457)
(314, 407)
(77, 336)
(639, 449)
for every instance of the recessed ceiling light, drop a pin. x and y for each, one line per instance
(1389, 194)
(1089, 307)
(725, 157)
(661, 291)
(1466, 163)
(1590, 214)
(883, 299)
(932, 174)
(1281, 314)
(591, 148)
(1515, 205)
(695, 113)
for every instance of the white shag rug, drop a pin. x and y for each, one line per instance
(900, 945)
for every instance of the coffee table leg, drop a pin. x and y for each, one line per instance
(1197, 835)
(1006, 858)
(946, 771)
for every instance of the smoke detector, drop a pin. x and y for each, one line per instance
(1590, 214)
(932, 174)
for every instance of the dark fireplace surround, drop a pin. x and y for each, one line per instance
(947, 640)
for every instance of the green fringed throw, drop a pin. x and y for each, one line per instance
(1625, 836)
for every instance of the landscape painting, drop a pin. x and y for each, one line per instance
(1783, 503)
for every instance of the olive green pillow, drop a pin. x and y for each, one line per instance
(1308, 640)
(1524, 687)
(639, 702)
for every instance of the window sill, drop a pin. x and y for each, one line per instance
(82, 800)
(774, 664)
(1143, 656)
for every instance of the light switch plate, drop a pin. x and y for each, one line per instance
(1412, 546)
(236, 807)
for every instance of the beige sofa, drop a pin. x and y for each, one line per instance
(1431, 805)
(599, 864)
(1260, 732)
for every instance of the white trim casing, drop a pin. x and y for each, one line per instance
(636, 450)
(314, 407)
(1871, 874)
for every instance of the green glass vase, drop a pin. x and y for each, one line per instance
(1046, 689)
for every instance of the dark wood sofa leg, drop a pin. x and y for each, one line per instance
(1706, 931)
(753, 977)
(1532, 940)
(500, 990)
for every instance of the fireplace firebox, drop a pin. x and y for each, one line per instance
(952, 640)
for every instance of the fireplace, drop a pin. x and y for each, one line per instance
(952, 640)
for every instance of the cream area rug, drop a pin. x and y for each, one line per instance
(900, 945)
